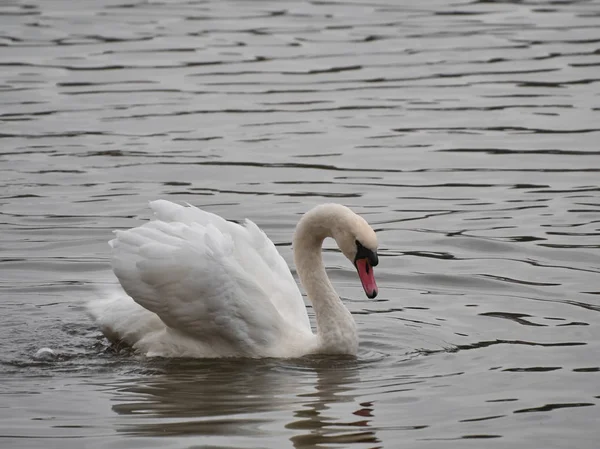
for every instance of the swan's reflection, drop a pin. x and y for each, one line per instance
(308, 401)
(330, 413)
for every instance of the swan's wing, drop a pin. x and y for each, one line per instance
(218, 281)
(255, 252)
(189, 277)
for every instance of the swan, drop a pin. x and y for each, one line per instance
(201, 286)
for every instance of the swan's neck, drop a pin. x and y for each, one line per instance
(336, 330)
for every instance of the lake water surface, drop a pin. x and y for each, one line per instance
(466, 133)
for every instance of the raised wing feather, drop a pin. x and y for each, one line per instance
(212, 279)
(255, 252)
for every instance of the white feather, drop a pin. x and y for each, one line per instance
(220, 286)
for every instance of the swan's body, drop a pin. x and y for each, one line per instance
(201, 286)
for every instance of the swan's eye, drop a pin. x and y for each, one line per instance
(365, 253)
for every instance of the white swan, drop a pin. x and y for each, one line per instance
(208, 287)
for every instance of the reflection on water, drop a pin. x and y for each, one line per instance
(466, 133)
(243, 395)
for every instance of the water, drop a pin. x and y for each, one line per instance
(466, 133)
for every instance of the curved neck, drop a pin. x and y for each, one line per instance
(336, 330)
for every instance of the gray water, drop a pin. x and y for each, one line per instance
(466, 133)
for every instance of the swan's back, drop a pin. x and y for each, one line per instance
(222, 285)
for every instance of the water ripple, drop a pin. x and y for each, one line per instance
(465, 133)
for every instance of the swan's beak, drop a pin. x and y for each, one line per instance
(367, 277)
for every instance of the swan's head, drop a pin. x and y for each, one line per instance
(358, 243)
(352, 233)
